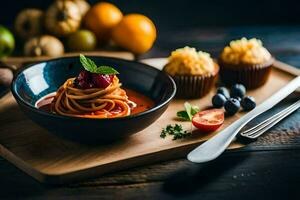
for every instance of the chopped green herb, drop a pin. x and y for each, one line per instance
(176, 131)
(90, 66)
(189, 112)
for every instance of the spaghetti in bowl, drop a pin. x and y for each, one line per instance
(33, 83)
(95, 93)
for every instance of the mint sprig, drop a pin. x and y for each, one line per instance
(90, 66)
(188, 113)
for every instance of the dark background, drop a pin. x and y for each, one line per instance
(175, 14)
(205, 24)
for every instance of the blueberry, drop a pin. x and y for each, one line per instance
(238, 98)
(223, 91)
(218, 100)
(232, 106)
(238, 90)
(248, 103)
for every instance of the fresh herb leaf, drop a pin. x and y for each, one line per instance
(194, 110)
(106, 70)
(176, 131)
(189, 112)
(183, 115)
(188, 109)
(90, 66)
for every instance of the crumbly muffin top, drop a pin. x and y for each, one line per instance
(245, 51)
(187, 61)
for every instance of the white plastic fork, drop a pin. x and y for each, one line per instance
(265, 125)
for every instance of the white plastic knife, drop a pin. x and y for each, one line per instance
(215, 146)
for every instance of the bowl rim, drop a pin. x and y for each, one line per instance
(52, 115)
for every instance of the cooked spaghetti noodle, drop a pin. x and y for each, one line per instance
(109, 102)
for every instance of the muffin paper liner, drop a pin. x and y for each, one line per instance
(195, 86)
(251, 76)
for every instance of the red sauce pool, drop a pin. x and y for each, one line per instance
(143, 102)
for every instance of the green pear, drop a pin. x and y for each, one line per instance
(7, 42)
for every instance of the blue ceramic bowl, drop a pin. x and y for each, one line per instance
(38, 80)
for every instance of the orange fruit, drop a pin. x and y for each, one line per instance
(135, 33)
(101, 18)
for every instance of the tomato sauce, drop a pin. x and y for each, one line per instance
(142, 102)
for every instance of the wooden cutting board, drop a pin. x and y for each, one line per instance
(50, 159)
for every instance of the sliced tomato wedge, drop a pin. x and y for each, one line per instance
(208, 120)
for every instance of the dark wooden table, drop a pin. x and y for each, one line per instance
(265, 169)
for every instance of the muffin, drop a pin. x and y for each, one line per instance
(193, 72)
(245, 61)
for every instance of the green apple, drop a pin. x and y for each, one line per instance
(7, 42)
(82, 40)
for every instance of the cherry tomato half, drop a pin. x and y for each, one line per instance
(208, 120)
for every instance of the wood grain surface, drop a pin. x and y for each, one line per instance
(54, 160)
(237, 174)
